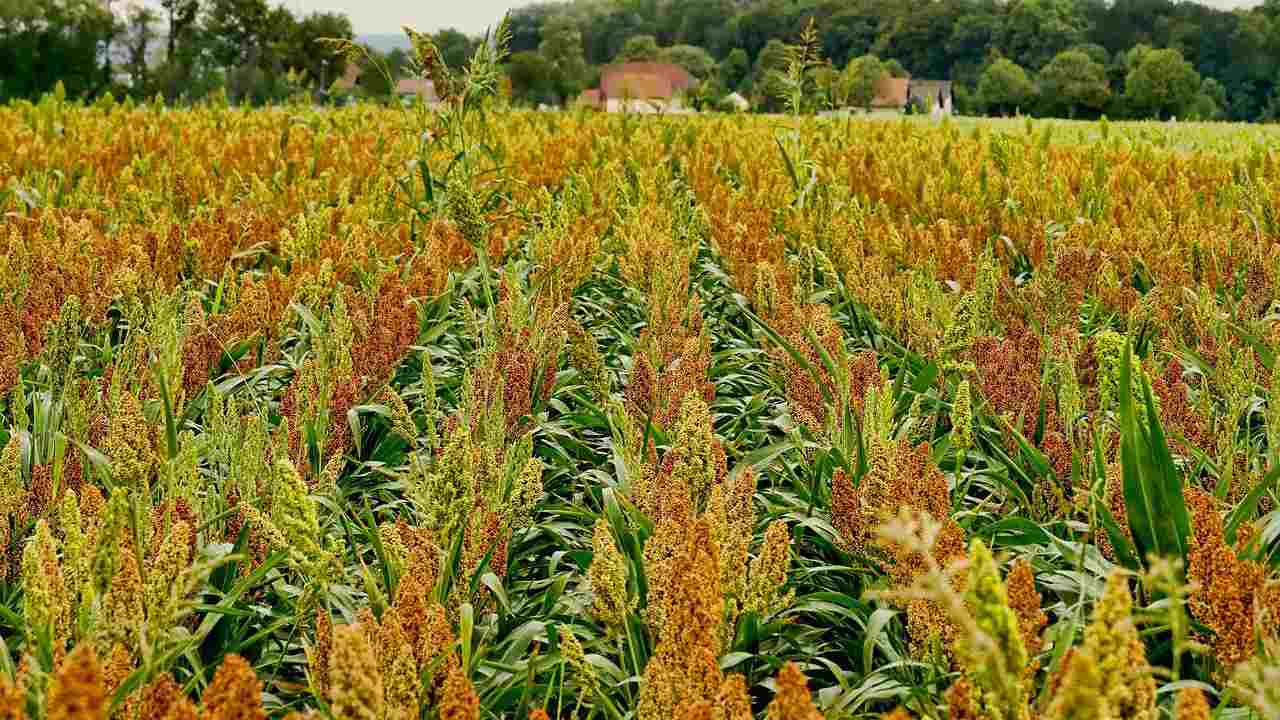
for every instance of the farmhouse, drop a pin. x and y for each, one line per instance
(931, 95)
(592, 98)
(891, 95)
(897, 94)
(349, 79)
(640, 87)
(413, 87)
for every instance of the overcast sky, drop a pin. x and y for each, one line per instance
(470, 16)
(386, 16)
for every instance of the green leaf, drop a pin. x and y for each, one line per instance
(1016, 531)
(791, 166)
(733, 659)
(1156, 510)
(762, 457)
(876, 630)
(1124, 549)
(1248, 507)
(466, 627)
(793, 352)
(170, 424)
(97, 460)
(491, 581)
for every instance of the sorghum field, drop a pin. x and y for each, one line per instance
(387, 413)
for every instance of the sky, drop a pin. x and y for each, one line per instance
(470, 16)
(387, 16)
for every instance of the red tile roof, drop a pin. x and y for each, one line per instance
(640, 86)
(891, 92)
(644, 80)
(417, 86)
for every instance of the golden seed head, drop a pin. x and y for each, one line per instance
(769, 571)
(792, 701)
(1191, 705)
(356, 689)
(78, 691)
(608, 576)
(46, 602)
(458, 699)
(1025, 602)
(235, 693)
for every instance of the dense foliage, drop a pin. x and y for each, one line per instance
(373, 413)
(1059, 58)
(1235, 53)
(182, 49)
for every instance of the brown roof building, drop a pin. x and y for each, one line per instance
(639, 87)
(420, 87)
(644, 80)
(931, 94)
(897, 93)
(891, 92)
(592, 99)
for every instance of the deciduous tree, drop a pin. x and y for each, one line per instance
(1073, 84)
(1160, 84)
(562, 49)
(639, 47)
(1004, 87)
(861, 78)
(44, 42)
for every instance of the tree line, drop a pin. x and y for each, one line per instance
(183, 50)
(1068, 58)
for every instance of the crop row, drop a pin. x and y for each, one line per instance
(374, 413)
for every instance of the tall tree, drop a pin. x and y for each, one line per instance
(526, 25)
(973, 35)
(610, 31)
(769, 65)
(918, 37)
(1209, 102)
(372, 82)
(238, 28)
(697, 61)
(735, 69)
(562, 48)
(455, 47)
(1036, 30)
(1073, 84)
(308, 52)
(44, 42)
(861, 76)
(138, 35)
(851, 32)
(182, 16)
(832, 91)
(1160, 84)
(398, 61)
(1004, 87)
(638, 47)
(531, 78)
(759, 23)
(702, 23)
